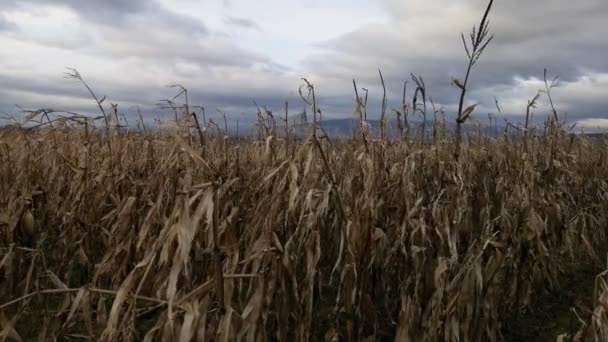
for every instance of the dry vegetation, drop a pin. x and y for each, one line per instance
(148, 235)
(184, 235)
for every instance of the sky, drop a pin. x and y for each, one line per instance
(230, 53)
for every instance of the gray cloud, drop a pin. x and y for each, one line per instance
(425, 39)
(242, 22)
(111, 11)
(59, 93)
(120, 13)
(420, 36)
(144, 29)
(143, 46)
(6, 25)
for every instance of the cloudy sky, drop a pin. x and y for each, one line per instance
(231, 52)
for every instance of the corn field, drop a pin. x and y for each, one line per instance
(154, 236)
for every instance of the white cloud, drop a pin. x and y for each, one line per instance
(593, 123)
(581, 97)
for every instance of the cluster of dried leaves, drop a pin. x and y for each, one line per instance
(160, 237)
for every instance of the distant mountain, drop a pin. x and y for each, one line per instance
(345, 127)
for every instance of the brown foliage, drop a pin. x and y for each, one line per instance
(330, 241)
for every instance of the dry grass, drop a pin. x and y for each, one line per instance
(314, 240)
